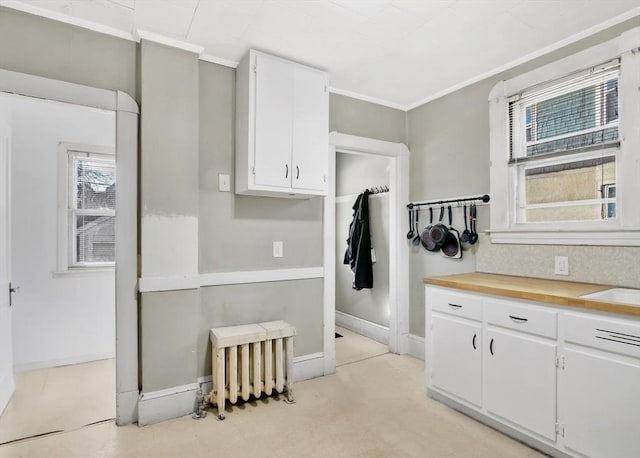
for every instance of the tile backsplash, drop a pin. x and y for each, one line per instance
(609, 265)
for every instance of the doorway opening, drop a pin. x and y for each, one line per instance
(62, 257)
(126, 274)
(381, 313)
(362, 312)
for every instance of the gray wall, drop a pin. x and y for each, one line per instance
(353, 174)
(449, 143)
(169, 211)
(366, 119)
(38, 46)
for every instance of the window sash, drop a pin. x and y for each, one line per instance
(518, 122)
(72, 205)
(518, 170)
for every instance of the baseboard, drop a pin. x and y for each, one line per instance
(156, 406)
(366, 328)
(416, 346)
(309, 366)
(62, 362)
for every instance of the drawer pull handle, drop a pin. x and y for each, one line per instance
(491, 347)
(455, 306)
(518, 320)
(473, 342)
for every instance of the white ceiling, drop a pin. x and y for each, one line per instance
(398, 52)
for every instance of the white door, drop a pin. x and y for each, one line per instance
(310, 130)
(6, 348)
(274, 117)
(520, 380)
(456, 358)
(601, 404)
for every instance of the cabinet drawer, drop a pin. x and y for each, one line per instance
(616, 336)
(457, 304)
(521, 318)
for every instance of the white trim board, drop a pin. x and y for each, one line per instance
(62, 362)
(363, 327)
(157, 406)
(416, 346)
(153, 284)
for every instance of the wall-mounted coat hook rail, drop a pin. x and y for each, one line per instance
(411, 205)
(377, 189)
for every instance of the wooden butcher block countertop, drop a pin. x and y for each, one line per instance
(534, 289)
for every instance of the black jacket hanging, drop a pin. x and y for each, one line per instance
(358, 254)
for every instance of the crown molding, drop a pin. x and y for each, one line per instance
(366, 98)
(167, 41)
(218, 60)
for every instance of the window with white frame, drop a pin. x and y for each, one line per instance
(87, 226)
(565, 150)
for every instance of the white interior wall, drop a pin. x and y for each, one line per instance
(353, 174)
(57, 318)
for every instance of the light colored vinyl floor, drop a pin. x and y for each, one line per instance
(352, 347)
(59, 399)
(375, 407)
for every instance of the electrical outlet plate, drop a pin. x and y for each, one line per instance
(561, 265)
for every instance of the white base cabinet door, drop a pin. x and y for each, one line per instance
(456, 358)
(601, 405)
(520, 380)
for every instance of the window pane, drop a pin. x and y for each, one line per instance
(573, 181)
(580, 118)
(96, 184)
(95, 239)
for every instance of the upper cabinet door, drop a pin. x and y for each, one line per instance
(310, 129)
(273, 121)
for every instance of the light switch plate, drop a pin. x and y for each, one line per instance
(277, 249)
(562, 265)
(224, 182)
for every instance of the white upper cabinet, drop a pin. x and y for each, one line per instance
(282, 128)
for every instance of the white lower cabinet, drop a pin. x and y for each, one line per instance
(456, 359)
(601, 405)
(567, 382)
(520, 380)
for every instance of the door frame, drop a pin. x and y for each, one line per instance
(126, 270)
(398, 153)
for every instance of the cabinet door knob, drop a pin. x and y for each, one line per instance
(491, 347)
(473, 342)
(286, 172)
(297, 172)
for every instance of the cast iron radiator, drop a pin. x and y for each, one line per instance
(250, 360)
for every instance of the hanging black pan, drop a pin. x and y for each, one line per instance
(427, 241)
(451, 246)
(438, 232)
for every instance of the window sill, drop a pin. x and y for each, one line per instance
(629, 237)
(83, 272)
